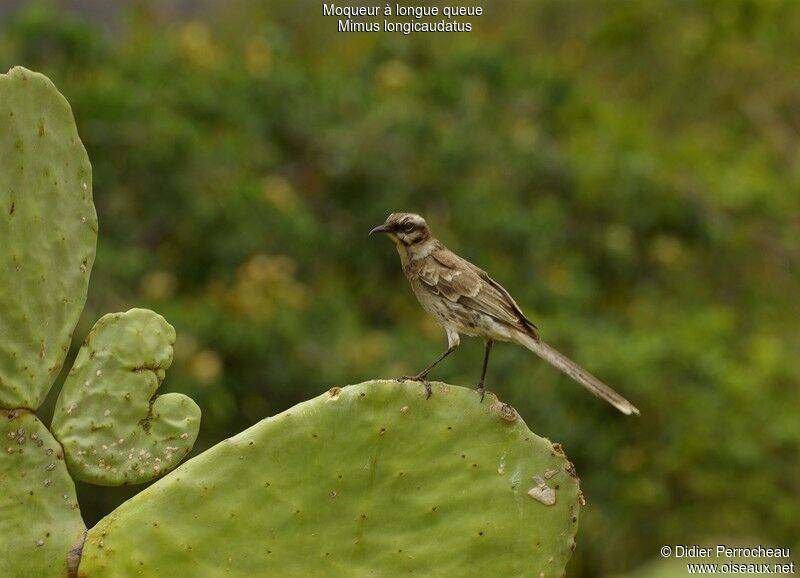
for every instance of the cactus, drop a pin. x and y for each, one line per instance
(48, 232)
(114, 431)
(41, 522)
(367, 480)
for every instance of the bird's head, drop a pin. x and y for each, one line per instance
(404, 229)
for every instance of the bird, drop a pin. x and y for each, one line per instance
(464, 299)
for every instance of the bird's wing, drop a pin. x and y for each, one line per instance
(459, 280)
(446, 276)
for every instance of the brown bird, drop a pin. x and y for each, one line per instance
(464, 299)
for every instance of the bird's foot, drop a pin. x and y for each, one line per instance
(480, 389)
(419, 377)
(423, 377)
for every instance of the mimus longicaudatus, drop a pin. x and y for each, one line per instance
(464, 299)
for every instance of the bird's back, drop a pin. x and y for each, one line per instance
(463, 296)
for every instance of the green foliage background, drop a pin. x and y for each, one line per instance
(629, 171)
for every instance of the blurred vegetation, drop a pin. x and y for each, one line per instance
(628, 170)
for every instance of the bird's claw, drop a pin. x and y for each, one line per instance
(419, 377)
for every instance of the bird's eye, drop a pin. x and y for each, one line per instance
(408, 227)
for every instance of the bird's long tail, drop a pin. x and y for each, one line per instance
(577, 373)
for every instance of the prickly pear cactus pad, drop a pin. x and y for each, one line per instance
(48, 232)
(368, 480)
(40, 522)
(113, 428)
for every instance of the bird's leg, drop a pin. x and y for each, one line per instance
(487, 351)
(423, 375)
(452, 343)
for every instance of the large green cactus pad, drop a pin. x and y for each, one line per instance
(48, 231)
(39, 518)
(113, 428)
(369, 480)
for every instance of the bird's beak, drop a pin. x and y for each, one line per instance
(380, 229)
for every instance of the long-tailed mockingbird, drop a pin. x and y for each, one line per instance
(464, 299)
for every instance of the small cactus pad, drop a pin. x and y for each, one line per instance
(48, 232)
(40, 522)
(113, 427)
(366, 480)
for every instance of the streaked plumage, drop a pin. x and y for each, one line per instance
(465, 300)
